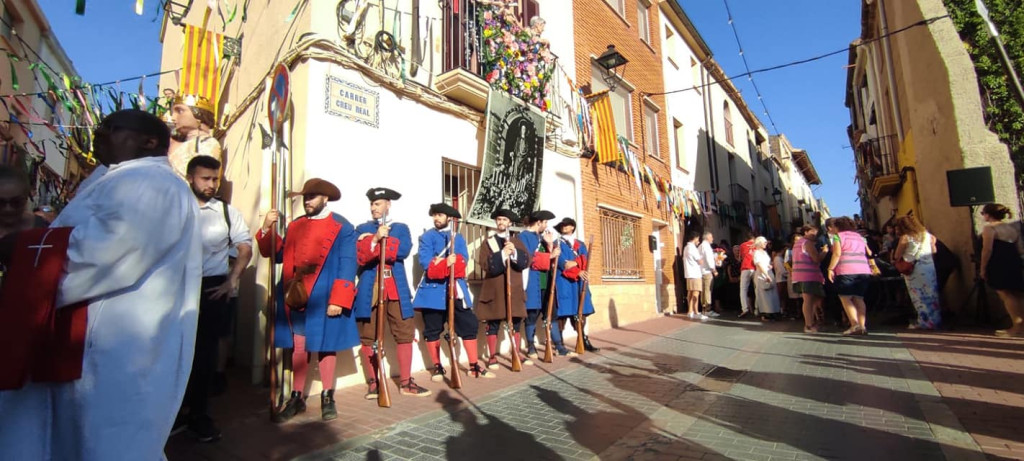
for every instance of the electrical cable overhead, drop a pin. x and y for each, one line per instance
(746, 65)
(819, 57)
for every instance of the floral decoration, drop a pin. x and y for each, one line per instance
(513, 59)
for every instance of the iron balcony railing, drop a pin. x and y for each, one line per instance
(878, 157)
(739, 194)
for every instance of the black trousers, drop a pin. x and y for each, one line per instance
(466, 323)
(213, 315)
(494, 325)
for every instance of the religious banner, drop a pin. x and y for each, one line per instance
(513, 158)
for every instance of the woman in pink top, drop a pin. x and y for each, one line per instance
(850, 273)
(807, 278)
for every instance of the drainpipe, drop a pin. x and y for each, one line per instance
(890, 73)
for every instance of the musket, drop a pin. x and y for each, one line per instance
(453, 340)
(548, 351)
(580, 320)
(383, 394)
(517, 363)
(271, 313)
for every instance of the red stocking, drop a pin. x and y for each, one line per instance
(405, 362)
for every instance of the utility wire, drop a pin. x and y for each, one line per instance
(922, 22)
(746, 65)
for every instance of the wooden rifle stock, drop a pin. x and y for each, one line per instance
(271, 314)
(579, 318)
(517, 363)
(453, 340)
(383, 394)
(549, 350)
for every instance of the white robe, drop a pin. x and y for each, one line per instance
(135, 254)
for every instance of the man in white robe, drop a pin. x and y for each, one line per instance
(135, 256)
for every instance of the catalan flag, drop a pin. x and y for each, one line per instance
(201, 64)
(604, 128)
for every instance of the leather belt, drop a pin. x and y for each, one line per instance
(387, 273)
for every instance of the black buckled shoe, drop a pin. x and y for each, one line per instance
(587, 346)
(437, 375)
(295, 405)
(371, 389)
(327, 409)
(477, 371)
(202, 426)
(411, 388)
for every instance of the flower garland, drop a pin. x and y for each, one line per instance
(513, 59)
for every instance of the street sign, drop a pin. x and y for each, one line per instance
(278, 102)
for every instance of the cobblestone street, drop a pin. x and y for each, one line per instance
(671, 389)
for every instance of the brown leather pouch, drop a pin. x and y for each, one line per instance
(295, 294)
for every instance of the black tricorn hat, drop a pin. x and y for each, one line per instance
(446, 209)
(541, 215)
(379, 193)
(565, 222)
(506, 213)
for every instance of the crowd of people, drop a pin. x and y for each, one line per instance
(794, 278)
(116, 313)
(147, 229)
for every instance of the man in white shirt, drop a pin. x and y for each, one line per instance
(694, 273)
(133, 260)
(709, 270)
(222, 228)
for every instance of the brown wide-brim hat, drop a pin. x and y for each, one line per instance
(320, 187)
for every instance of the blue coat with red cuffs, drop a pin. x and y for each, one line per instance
(333, 282)
(540, 263)
(398, 247)
(568, 283)
(432, 292)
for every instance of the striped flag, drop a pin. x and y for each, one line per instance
(201, 64)
(604, 128)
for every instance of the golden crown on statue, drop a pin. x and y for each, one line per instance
(192, 100)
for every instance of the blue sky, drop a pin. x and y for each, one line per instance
(806, 101)
(111, 42)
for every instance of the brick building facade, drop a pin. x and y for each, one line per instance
(634, 236)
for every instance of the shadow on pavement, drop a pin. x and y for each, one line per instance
(493, 439)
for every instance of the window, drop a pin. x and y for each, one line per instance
(620, 246)
(460, 182)
(622, 106)
(651, 131)
(643, 19)
(670, 47)
(680, 137)
(727, 116)
(618, 5)
(530, 9)
(695, 74)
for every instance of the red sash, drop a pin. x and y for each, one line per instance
(40, 341)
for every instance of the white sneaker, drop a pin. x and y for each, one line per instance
(703, 317)
(691, 315)
(714, 314)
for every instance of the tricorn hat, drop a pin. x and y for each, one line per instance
(446, 209)
(506, 213)
(320, 187)
(565, 222)
(541, 215)
(382, 193)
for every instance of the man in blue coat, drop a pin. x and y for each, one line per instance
(318, 273)
(438, 261)
(572, 272)
(541, 257)
(396, 242)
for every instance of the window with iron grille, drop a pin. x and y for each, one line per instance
(620, 246)
(460, 182)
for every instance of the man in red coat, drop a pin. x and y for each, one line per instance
(318, 257)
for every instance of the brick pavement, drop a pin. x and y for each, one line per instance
(981, 379)
(662, 389)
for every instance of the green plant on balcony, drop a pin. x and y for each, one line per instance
(513, 59)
